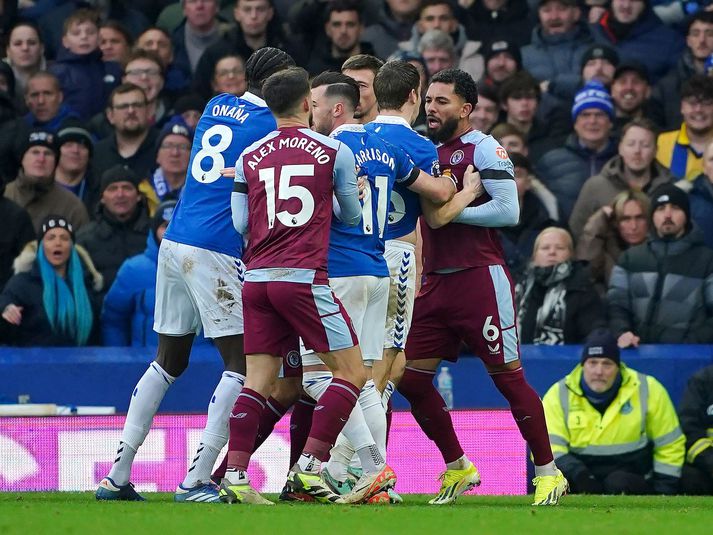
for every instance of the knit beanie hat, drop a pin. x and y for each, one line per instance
(77, 134)
(601, 343)
(164, 213)
(593, 96)
(668, 193)
(118, 173)
(41, 138)
(55, 221)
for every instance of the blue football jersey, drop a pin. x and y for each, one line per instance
(405, 207)
(202, 217)
(359, 250)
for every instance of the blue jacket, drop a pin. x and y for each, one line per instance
(86, 81)
(701, 199)
(128, 312)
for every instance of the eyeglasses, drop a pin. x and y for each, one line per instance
(127, 105)
(183, 147)
(695, 101)
(150, 73)
(222, 73)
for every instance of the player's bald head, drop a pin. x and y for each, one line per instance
(285, 91)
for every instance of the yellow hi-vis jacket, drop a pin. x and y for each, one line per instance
(640, 414)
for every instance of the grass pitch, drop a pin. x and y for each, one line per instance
(57, 512)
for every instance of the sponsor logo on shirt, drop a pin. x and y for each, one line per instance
(501, 153)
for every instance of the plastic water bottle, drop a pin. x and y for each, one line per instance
(445, 386)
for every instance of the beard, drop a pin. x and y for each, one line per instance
(444, 132)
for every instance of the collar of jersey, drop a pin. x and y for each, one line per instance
(351, 127)
(254, 99)
(391, 119)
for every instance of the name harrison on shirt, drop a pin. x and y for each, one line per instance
(374, 154)
(302, 143)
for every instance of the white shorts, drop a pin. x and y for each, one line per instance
(401, 258)
(196, 286)
(365, 298)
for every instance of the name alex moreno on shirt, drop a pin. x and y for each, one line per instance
(303, 143)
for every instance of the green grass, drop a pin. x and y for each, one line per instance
(56, 512)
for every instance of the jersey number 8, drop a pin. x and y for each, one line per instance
(212, 152)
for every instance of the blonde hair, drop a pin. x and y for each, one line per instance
(560, 230)
(625, 196)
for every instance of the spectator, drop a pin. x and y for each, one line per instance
(612, 230)
(35, 189)
(510, 137)
(564, 170)
(696, 418)
(119, 230)
(630, 91)
(502, 60)
(436, 48)
(682, 150)
(520, 99)
(25, 54)
(177, 77)
(85, 79)
(257, 27)
(144, 68)
(72, 173)
(363, 69)
(441, 15)
(173, 149)
(189, 107)
(229, 76)
(660, 291)
(699, 46)
(486, 112)
(556, 301)
(17, 232)
(700, 196)
(200, 29)
(638, 34)
(133, 141)
(613, 429)
(554, 56)
(128, 310)
(394, 25)
(634, 167)
(115, 41)
(518, 241)
(49, 302)
(599, 63)
(494, 20)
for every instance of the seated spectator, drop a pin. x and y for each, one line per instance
(612, 230)
(660, 291)
(438, 52)
(35, 188)
(633, 168)
(700, 195)
(699, 46)
(696, 417)
(394, 25)
(144, 68)
(599, 63)
(520, 99)
(189, 107)
(630, 91)
(494, 20)
(25, 54)
(564, 170)
(177, 77)
(613, 429)
(638, 34)
(554, 55)
(556, 301)
(229, 76)
(502, 60)
(72, 172)
(133, 140)
(487, 112)
(682, 150)
(518, 241)
(510, 137)
(441, 15)
(17, 232)
(50, 301)
(128, 310)
(201, 27)
(115, 41)
(173, 150)
(122, 221)
(85, 79)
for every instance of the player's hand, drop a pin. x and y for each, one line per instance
(472, 182)
(228, 172)
(361, 186)
(628, 339)
(12, 314)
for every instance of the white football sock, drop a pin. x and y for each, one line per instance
(374, 415)
(237, 477)
(339, 458)
(386, 395)
(548, 469)
(145, 400)
(215, 435)
(459, 464)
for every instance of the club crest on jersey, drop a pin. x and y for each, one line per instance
(293, 359)
(457, 157)
(501, 153)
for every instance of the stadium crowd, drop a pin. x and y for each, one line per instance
(605, 108)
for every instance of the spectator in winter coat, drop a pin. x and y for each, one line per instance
(700, 196)
(177, 77)
(633, 168)
(115, 41)
(17, 232)
(696, 418)
(200, 28)
(661, 292)
(25, 54)
(487, 112)
(75, 152)
(493, 20)
(394, 25)
(557, 303)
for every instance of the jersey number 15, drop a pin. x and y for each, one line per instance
(285, 192)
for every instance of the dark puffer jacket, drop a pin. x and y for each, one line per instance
(662, 291)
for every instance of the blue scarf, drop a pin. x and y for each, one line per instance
(160, 186)
(601, 400)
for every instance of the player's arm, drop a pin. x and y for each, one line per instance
(438, 190)
(346, 191)
(239, 200)
(437, 216)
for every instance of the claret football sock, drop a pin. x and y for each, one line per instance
(526, 408)
(145, 400)
(244, 421)
(272, 414)
(300, 423)
(430, 411)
